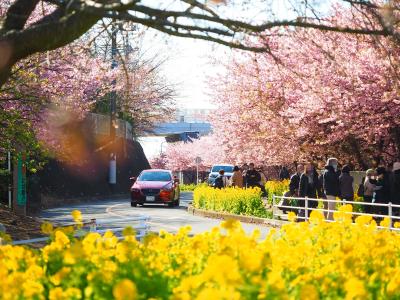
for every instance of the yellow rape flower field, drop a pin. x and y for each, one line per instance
(233, 200)
(315, 260)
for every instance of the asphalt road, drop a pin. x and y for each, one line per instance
(119, 213)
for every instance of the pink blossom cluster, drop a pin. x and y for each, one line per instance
(318, 94)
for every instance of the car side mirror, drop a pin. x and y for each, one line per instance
(133, 179)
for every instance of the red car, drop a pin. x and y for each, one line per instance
(155, 186)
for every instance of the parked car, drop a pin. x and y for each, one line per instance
(216, 168)
(155, 186)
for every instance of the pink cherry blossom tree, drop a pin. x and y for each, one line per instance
(321, 94)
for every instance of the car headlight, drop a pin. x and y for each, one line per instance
(167, 188)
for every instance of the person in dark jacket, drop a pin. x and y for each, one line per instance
(382, 191)
(221, 181)
(330, 186)
(284, 174)
(346, 184)
(245, 168)
(293, 189)
(308, 188)
(252, 176)
(395, 195)
(295, 181)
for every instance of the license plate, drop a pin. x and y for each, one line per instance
(150, 198)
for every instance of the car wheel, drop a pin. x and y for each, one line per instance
(133, 204)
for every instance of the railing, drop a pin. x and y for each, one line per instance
(306, 210)
(116, 226)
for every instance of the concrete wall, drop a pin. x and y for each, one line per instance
(84, 174)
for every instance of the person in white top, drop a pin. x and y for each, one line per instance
(369, 188)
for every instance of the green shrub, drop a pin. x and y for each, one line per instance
(233, 200)
(277, 188)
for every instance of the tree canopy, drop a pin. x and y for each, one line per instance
(20, 36)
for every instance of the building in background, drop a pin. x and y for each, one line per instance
(188, 124)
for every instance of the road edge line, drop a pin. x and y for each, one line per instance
(224, 216)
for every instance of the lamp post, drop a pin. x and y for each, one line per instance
(161, 147)
(198, 161)
(113, 109)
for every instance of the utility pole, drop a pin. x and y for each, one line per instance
(113, 109)
(9, 184)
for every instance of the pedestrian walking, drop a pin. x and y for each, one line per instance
(237, 178)
(308, 188)
(346, 184)
(221, 181)
(382, 191)
(284, 174)
(245, 168)
(293, 189)
(263, 181)
(295, 181)
(369, 188)
(252, 176)
(330, 186)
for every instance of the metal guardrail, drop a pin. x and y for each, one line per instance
(307, 209)
(94, 225)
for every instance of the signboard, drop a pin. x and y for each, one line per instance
(21, 183)
(198, 160)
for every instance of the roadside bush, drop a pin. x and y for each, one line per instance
(277, 188)
(315, 260)
(190, 187)
(233, 200)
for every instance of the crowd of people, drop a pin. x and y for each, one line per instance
(380, 185)
(246, 176)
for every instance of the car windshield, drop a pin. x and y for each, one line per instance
(155, 176)
(228, 169)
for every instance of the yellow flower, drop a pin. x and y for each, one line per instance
(56, 294)
(385, 222)
(292, 217)
(47, 228)
(355, 289)
(61, 239)
(230, 224)
(309, 292)
(32, 288)
(125, 290)
(77, 216)
(316, 217)
(128, 231)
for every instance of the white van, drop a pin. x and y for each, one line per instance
(215, 171)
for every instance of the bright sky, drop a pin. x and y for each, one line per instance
(187, 66)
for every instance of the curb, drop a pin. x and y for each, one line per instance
(224, 215)
(82, 200)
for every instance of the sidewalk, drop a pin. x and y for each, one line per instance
(19, 227)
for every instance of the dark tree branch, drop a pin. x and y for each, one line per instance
(18, 14)
(195, 20)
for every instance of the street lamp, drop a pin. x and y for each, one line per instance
(197, 161)
(161, 147)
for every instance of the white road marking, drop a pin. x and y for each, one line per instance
(124, 216)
